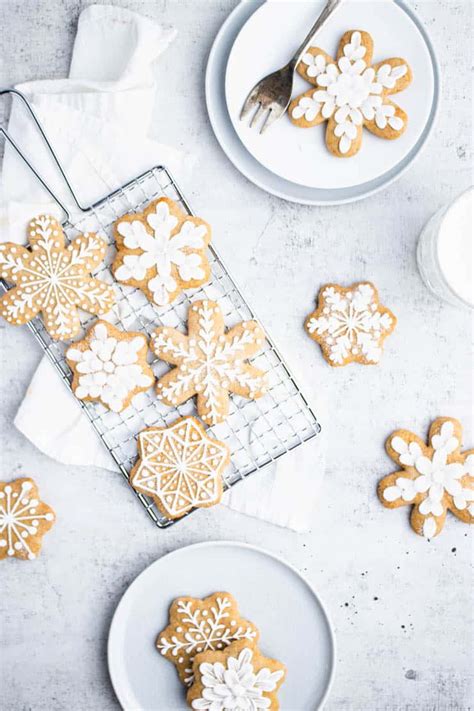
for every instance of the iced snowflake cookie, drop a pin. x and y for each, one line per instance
(161, 251)
(351, 93)
(238, 677)
(24, 519)
(53, 279)
(180, 467)
(350, 324)
(110, 366)
(197, 626)
(209, 362)
(434, 477)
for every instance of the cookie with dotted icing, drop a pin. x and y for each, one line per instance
(209, 362)
(350, 324)
(180, 467)
(161, 251)
(238, 677)
(53, 279)
(434, 478)
(197, 626)
(24, 519)
(351, 92)
(110, 366)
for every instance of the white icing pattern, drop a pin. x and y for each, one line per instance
(161, 250)
(351, 323)
(19, 519)
(181, 466)
(236, 685)
(109, 369)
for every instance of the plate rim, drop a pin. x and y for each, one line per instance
(114, 624)
(340, 199)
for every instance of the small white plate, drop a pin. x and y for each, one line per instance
(294, 163)
(293, 624)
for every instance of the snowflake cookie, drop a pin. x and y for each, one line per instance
(350, 324)
(110, 366)
(351, 93)
(161, 251)
(209, 362)
(180, 467)
(53, 279)
(197, 626)
(24, 519)
(238, 677)
(434, 477)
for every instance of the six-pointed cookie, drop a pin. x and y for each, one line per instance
(24, 519)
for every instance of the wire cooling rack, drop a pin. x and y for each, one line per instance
(257, 432)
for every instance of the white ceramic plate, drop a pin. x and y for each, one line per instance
(270, 593)
(294, 163)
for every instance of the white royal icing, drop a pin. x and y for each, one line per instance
(19, 519)
(162, 250)
(205, 629)
(109, 369)
(235, 685)
(351, 323)
(351, 92)
(181, 466)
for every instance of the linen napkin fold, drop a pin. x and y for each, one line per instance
(96, 120)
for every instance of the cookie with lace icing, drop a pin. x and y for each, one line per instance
(24, 519)
(434, 478)
(209, 362)
(197, 626)
(54, 279)
(110, 366)
(162, 251)
(351, 92)
(350, 324)
(180, 467)
(238, 677)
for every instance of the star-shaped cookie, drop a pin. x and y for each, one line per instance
(24, 519)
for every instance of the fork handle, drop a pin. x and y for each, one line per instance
(329, 8)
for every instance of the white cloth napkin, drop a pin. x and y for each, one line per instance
(97, 120)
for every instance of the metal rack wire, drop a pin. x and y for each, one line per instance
(257, 432)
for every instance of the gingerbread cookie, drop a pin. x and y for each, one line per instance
(24, 519)
(350, 324)
(434, 477)
(162, 251)
(53, 279)
(210, 362)
(110, 366)
(199, 626)
(351, 93)
(238, 677)
(180, 467)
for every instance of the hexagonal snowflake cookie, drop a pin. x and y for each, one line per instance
(198, 626)
(351, 93)
(350, 324)
(180, 467)
(238, 677)
(434, 478)
(24, 519)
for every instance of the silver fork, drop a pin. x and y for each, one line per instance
(272, 94)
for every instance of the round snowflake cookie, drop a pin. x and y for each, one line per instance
(434, 477)
(110, 366)
(238, 677)
(197, 626)
(161, 251)
(350, 324)
(351, 93)
(180, 467)
(53, 279)
(24, 519)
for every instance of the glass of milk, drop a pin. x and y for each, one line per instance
(445, 252)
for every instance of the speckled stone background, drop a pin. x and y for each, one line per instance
(400, 605)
